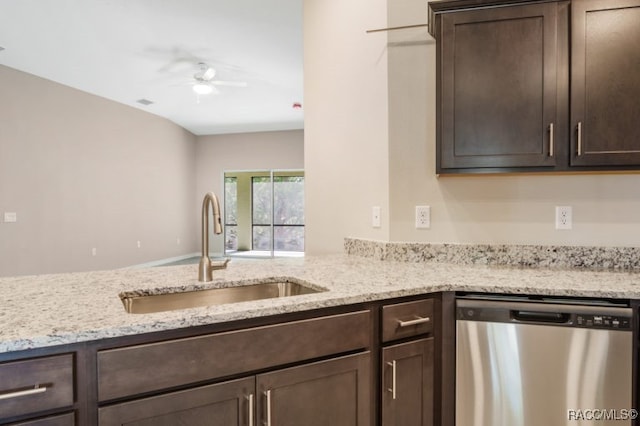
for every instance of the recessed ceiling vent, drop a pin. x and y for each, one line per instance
(144, 101)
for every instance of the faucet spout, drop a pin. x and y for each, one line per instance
(205, 268)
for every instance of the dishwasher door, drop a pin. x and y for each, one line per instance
(532, 364)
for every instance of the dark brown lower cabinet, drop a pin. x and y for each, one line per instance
(63, 420)
(53, 378)
(407, 383)
(225, 403)
(333, 392)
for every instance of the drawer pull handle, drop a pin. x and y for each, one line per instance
(250, 398)
(579, 129)
(392, 364)
(551, 145)
(268, 395)
(36, 390)
(416, 321)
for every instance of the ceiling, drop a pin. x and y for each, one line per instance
(127, 50)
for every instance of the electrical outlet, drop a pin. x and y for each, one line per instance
(375, 217)
(94, 251)
(564, 217)
(423, 217)
(139, 244)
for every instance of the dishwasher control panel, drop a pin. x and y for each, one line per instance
(603, 321)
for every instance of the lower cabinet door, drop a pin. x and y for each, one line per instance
(62, 420)
(335, 392)
(229, 403)
(407, 384)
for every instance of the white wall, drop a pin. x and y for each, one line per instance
(238, 152)
(517, 209)
(346, 124)
(82, 172)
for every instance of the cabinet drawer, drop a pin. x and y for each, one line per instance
(53, 377)
(144, 368)
(407, 319)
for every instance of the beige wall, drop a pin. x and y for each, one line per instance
(239, 152)
(83, 172)
(346, 122)
(516, 209)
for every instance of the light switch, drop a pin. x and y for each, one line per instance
(10, 217)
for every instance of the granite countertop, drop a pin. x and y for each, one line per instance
(47, 310)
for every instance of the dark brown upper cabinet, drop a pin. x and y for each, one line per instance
(537, 86)
(605, 83)
(498, 87)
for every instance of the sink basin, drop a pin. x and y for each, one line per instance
(144, 304)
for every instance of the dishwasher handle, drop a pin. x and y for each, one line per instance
(538, 316)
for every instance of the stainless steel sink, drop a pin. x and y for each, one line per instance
(144, 304)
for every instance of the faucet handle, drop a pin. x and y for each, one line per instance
(219, 264)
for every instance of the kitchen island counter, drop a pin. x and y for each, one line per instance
(57, 309)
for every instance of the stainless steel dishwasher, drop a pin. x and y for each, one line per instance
(552, 362)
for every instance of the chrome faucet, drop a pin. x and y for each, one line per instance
(206, 267)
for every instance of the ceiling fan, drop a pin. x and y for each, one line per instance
(204, 83)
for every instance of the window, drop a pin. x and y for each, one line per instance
(261, 213)
(288, 213)
(264, 212)
(231, 213)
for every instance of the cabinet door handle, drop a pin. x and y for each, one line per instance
(250, 398)
(579, 138)
(34, 391)
(551, 147)
(268, 397)
(392, 389)
(419, 320)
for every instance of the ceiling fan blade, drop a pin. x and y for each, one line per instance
(208, 74)
(229, 83)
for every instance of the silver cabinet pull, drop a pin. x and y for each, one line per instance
(250, 398)
(551, 147)
(268, 395)
(419, 320)
(579, 138)
(36, 390)
(392, 389)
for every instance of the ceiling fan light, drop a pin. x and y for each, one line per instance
(202, 89)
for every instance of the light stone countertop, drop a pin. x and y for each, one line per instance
(47, 310)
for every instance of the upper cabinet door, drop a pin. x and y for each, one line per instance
(605, 83)
(498, 88)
